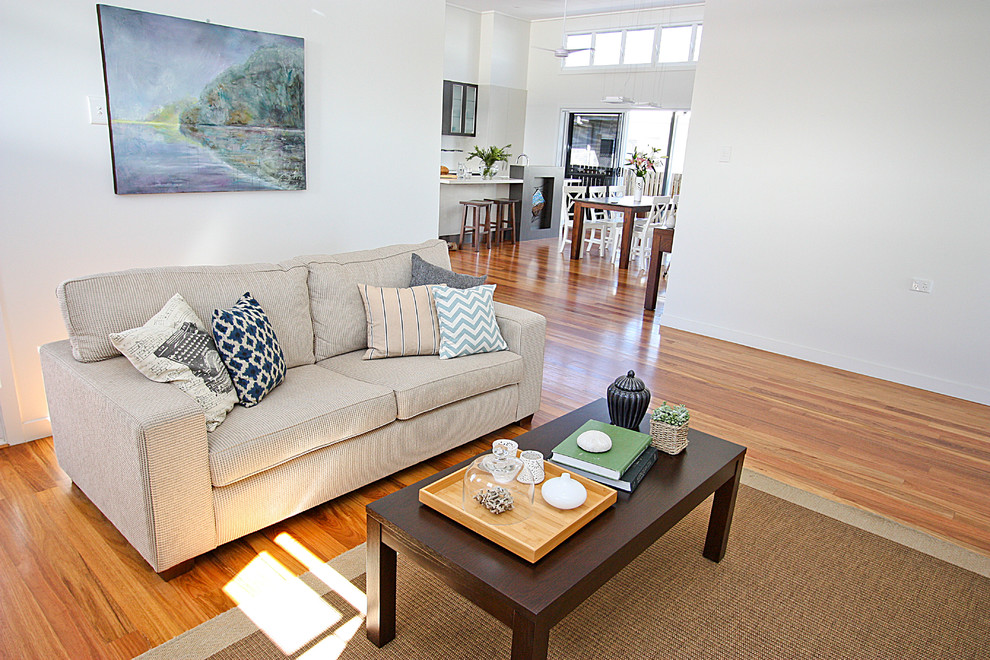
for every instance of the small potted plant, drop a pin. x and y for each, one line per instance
(490, 157)
(669, 428)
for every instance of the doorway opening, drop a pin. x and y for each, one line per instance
(596, 144)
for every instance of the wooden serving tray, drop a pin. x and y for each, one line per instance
(534, 537)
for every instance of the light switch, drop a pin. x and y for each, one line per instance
(97, 110)
(724, 154)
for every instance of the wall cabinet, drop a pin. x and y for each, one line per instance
(460, 106)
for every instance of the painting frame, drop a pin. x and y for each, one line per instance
(194, 106)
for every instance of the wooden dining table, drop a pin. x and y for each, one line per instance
(629, 209)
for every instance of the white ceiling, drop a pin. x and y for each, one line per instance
(532, 10)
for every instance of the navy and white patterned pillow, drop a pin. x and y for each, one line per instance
(249, 348)
(467, 321)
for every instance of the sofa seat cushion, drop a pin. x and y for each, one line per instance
(425, 382)
(312, 408)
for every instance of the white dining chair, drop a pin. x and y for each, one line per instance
(571, 192)
(671, 217)
(601, 229)
(642, 239)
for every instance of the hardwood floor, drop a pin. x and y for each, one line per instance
(71, 586)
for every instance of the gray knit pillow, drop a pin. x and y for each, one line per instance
(423, 272)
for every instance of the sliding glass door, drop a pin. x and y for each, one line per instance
(591, 147)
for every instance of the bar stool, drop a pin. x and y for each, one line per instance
(505, 217)
(477, 227)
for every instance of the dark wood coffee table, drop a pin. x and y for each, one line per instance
(531, 598)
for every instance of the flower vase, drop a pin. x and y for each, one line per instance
(638, 190)
(491, 171)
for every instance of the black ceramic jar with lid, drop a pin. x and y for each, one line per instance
(628, 400)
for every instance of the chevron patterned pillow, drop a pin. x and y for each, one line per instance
(250, 349)
(467, 321)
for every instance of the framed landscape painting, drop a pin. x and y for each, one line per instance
(197, 107)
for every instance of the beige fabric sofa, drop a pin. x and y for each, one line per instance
(140, 450)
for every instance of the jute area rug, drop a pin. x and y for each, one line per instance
(795, 583)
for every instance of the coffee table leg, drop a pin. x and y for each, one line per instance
(721, 518)
(381, 587)
(530, 640)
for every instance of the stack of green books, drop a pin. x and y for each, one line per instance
(622, 467)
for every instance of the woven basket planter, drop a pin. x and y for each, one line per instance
(669, 439)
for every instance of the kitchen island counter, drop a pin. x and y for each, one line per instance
(454, 191)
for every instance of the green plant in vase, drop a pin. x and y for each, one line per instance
(489, 157)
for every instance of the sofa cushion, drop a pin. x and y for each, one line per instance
(467, 321)
(312, 408)
(425, 382)
(249, 348)
(95, 306)
(400, 321)
(423, 272)
(338, 312)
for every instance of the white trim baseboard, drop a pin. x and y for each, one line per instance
(35, 429)
(893, 374)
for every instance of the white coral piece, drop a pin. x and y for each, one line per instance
(594, 441)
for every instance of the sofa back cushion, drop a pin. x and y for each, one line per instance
(95, 306)
(339, 321)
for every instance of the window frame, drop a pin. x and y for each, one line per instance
(654, 62)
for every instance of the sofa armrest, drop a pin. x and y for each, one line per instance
(525, 332)
(138, 449)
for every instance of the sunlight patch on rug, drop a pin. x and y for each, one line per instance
(291, 613)
(322, 570)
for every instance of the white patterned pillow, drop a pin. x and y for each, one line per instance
(467, 321)
(174, 347)
(400, 321)
(250, 349)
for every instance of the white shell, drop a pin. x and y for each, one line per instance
(564, 492)
(594, 441)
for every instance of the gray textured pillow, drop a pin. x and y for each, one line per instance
(423, 272)
(175, 347)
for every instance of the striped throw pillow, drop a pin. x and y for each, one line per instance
(467, 321)
(400, 321)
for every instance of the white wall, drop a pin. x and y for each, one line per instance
(551, 89)
(489, 49)
(860, 156)
(373, 98)
(462, 34)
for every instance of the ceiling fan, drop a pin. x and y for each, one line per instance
(564, 51)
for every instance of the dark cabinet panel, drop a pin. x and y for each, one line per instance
(460, 108)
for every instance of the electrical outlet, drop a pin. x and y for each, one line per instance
(921, 286)
(97, 110)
